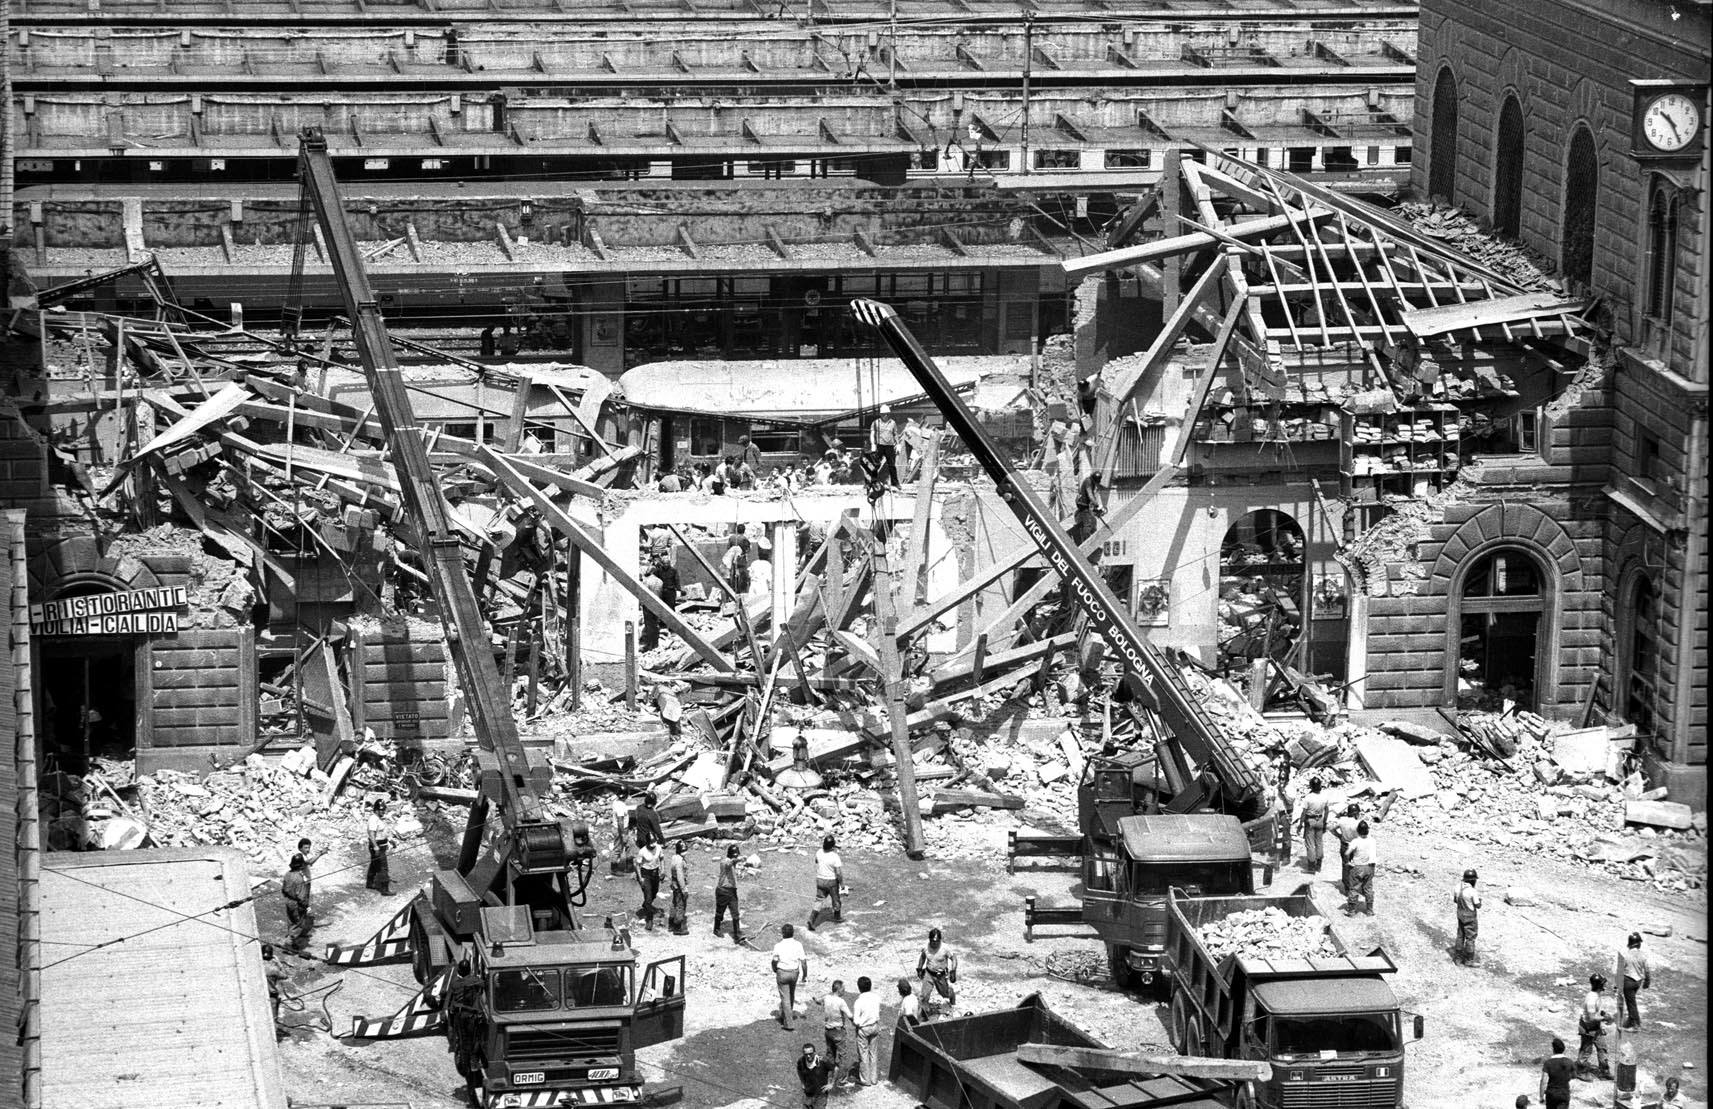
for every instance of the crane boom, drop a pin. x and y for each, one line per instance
(460, 618)
(1160, 679)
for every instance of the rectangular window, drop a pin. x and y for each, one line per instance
(1402, 155)
(1300, 159)
(1129, 159)
(1528, 432)
(1261, 155)
(774, 441)
(993, 159)
(773, 167)
(1339, 159)
(1373, 155)
(1649, 465)
(1056, 159)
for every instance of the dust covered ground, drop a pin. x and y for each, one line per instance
(1488, 1027)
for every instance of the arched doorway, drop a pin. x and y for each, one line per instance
(1442, 153)
(1581, 199)
(1262, 564)
(1501, 610)
(1508, 171)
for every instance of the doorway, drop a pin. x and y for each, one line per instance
(1262, 575)
(89, 701)
(1501, 626)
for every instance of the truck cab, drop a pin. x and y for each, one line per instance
(1332, 1042)
(544, 1016)
(1125, 881)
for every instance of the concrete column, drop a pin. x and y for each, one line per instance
(1356, 658)
(783, 535)
(606, 603)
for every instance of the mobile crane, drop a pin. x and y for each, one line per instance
(539, 1010)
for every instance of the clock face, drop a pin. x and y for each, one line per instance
(1671, 122)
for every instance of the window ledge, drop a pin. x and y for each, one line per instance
(1629, 494)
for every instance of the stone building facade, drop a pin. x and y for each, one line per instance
(1519, 122)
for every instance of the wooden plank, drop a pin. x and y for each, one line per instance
(591, 545)
(1176, 245)
(950, 672)
(1136, 1062)
(1425, 322)
(919, 521)
(950, 800)
(892, 671)
(1161, 347)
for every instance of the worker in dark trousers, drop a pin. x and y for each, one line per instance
(276, 975)
(678, 918)
(1591, 1025)
(1633, 974)
(648, 858)
(294, 887)
(1556, 1073)
(1468, 901)
(1363, 856)
(379, 877)
(726, 894)
(1313, 825)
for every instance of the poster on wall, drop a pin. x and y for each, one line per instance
(1330, 599)
(1153, 601)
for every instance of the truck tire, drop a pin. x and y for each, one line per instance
(1193, 1037)
(429, 951)
(1246, 1096)
(1118, 962)
(1180, 1025)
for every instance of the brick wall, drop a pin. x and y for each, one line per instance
(1541, 54)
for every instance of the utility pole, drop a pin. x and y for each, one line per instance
(1028, 62)
(892, 47)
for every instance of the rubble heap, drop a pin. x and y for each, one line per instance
(1269, 933)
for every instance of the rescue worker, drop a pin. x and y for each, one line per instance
(937, 968)
(1344, 829)
(909, 1005)
(1363, 855)
(835, 1014)
(726, 894)
(865, 1017)
(646, 821)
(883, 438)
(379, 878)
(463, 1003)
(1312, 823)
(678, 918)
(829, 874)
(276, 974)
(1555, 1077)
(816, 1075)
(648, 858)
(294, 887)
(790, 969)
(1591, 1026)
(1633, 974)
(1468, 901)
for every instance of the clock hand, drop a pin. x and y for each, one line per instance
(1672, 123)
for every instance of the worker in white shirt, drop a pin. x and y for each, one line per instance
(1362, 856)
(835, 1014)
(909, 1005)
(865, 1015)
(829, 875)
(790, 967)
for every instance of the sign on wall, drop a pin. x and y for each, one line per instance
(1153, 602)
(138, 612)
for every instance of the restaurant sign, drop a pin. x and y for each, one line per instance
(138, 612)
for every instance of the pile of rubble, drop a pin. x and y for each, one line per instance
(1269, 933)
(1457, 229)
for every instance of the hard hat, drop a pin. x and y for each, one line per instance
(1469, 875)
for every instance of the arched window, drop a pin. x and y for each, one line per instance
(1662, 251)
(1508, 171)
(1261, 588)
(1501, 615)
(1581, 197)
(1638, 646)
(1442, 156)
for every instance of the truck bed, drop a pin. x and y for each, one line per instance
(1195, 912)
(971, 1061)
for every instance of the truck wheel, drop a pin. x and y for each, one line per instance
(1180, 1025)
(1118, 962)
(1245, 1096)
(1192, 1037)
(421, 958)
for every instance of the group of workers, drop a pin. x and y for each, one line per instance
(891, 456)
(1357, 852)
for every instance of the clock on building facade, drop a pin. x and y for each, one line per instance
(1669, 120)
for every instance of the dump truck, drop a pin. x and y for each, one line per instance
(1324, 1018)
(1126, 877)
(980, 1062)
(539, 1009)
